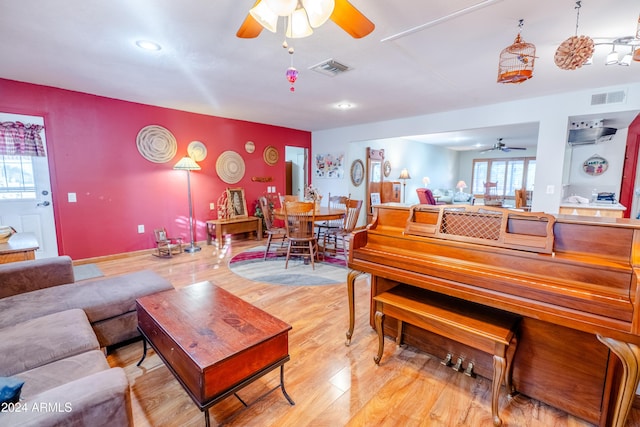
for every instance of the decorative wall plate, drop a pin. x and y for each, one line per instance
(156, 144)
(250, 147)
(595, 165)
(197, 151)
(271, 155)
(386, 168)
(357, 172)
(230, 167)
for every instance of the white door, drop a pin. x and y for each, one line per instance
(29, 209)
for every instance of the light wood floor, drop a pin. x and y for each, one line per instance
(332, 384)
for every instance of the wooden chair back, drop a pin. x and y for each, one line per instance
(491, 197)
(351, 217)
(266, 212)
(300, 218)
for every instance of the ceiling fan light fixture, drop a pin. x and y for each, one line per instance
(298, 26)
(265, 16)
(318, 11)
(281, 7)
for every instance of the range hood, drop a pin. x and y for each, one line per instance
(590, 132)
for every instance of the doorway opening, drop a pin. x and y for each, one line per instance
(296, 172)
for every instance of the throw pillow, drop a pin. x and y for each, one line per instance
(10, 388)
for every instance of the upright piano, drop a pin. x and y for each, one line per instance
(573, 280)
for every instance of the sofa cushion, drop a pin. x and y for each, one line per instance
(43, 340)
(97, 400)
(61, 371)
(101, 298)
(25, 276)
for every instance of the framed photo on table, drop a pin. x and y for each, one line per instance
(237, 203)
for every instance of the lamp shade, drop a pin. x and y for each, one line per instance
(426, 181)
(281, 7)
(187, 164)
(265, 16)
(404, 174)
(461, 184)
(298, 26)
(318, 11)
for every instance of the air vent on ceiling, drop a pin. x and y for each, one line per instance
(608, 98)
(330, 68)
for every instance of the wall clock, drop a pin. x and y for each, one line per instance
(357, 172)
(387, 168)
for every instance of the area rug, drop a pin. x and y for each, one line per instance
(86, 271)
(250, 265)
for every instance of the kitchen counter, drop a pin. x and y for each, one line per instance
(614, 210)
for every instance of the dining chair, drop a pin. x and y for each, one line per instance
(299, 225)
(165, 245)
(273, 232)
(343, 234)
(287, 198)
(336, 203)
(491, 197)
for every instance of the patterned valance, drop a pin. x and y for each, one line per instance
(19, 139)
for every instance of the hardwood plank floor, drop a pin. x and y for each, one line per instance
(332, 384)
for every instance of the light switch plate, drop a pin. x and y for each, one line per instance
(71, 197)
(141, 228)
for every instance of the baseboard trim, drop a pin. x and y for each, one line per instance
(121, 255)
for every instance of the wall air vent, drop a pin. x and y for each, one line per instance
(330, 68)
(616, 97)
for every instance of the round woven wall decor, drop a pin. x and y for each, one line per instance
(271, 155)
(156, 144)
(230, 167)
(197, 151)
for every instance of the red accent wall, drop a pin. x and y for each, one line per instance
(630, 166)
(91, 144)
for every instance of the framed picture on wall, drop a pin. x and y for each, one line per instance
(237, 203)
(357, 172)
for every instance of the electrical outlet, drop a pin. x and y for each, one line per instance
(71, 197)
(141, 229)
(212, 206)
(551, 189)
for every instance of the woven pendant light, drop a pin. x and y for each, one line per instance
(575, 51)
(516, 61)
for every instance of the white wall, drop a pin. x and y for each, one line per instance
(551, 112)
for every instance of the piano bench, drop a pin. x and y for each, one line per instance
(484, 328)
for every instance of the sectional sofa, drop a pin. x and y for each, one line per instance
(53, 335)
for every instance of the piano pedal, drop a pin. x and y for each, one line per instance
(458, 366)
(469, 371)
(447, 360)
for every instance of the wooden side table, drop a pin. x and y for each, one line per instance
(218, 228)
(20, 247)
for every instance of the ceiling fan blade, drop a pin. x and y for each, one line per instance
(350, 19)
(517, 148)
(250, 28)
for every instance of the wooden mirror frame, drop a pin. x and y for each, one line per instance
(374, 177)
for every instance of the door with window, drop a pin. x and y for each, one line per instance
(510, 174)
(25, 187)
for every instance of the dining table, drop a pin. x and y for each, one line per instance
(324, 213)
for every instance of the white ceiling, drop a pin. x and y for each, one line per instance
(88, 46)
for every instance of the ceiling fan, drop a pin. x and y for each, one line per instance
(344, 14)
(501, 146)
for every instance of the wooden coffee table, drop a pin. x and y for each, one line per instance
(213, 342)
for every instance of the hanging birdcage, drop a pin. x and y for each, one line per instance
(516, 61)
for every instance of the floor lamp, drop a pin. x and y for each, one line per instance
(188, 164)
(404, 175)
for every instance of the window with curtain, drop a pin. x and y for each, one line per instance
(511, 174)
(19, 143)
